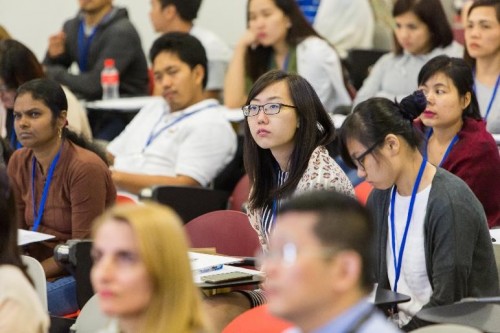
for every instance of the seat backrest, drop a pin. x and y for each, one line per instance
(37, 275)
(91, 319)
(359, 62)
(446, 328)
(228, 231)
(257, 320)
(240, 194)
(362, 191)
(189, 202)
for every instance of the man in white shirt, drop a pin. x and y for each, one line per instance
(178, 15)
(183, 139)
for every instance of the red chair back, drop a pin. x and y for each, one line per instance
(240, 194)
(228, 231)
(257, 320)
(362, 191)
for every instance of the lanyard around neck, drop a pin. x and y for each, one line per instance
(153, 135)
(398, 262)
(84, 46)
(492, 98)
(15, 144)
(448, 150)
(38, 215)
(493, 95)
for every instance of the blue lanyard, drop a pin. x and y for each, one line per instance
(84, 42)
(399, 261)
(15, 144)
(153, 135)
(41, 208)
(84, 46)
(492, 98)
(490, 104)
(285, 63)
(447, 152)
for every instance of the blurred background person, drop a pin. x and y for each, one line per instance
(345, 24)
(142, 272)
(318, 267)
(20, 307)
(18, 65)
(279, 37)
(178, 15)
(421, 32)
(482, 39)
(99, 31)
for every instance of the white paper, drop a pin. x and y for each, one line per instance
(201, 261)
(495, 235)
(25, 237)
(226, 269)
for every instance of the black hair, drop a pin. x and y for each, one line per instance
(257, 60)
(432, 14)
(50, 93)
(375, 118)
(342, 223)
(481, 3)
(316, 129)
(459, 72)
(18, 64)
(9, 250)
(187, 47)
(187, 9)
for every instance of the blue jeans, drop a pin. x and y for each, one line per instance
(61, 296)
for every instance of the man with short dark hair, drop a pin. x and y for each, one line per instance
(178, 15)
(318, 266)
(182, 139)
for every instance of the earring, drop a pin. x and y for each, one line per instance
(59, 133)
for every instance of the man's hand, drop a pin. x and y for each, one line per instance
(56, 45)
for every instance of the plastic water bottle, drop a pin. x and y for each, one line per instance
(110, 80)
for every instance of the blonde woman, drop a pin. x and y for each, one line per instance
(142, 272)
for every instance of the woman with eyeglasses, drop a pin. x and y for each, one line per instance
(432, 240)
(482, 40)
(456, 135)
(286, 128)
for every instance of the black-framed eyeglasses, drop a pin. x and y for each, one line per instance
(269, 109)
(359, 161)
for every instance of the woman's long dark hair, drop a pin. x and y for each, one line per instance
(257, 60)
(316, 129)
(431, 13)
(52, 95)
(9, 250)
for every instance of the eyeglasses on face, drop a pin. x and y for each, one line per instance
(269, 109)
(359, 161)
(288, 254)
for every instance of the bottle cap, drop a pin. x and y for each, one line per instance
(109, 62)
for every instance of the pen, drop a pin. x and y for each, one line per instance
(210, 269)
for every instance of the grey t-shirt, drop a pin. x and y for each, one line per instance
(484, 95)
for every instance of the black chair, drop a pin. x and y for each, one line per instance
(189, 202)
(359, 62)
